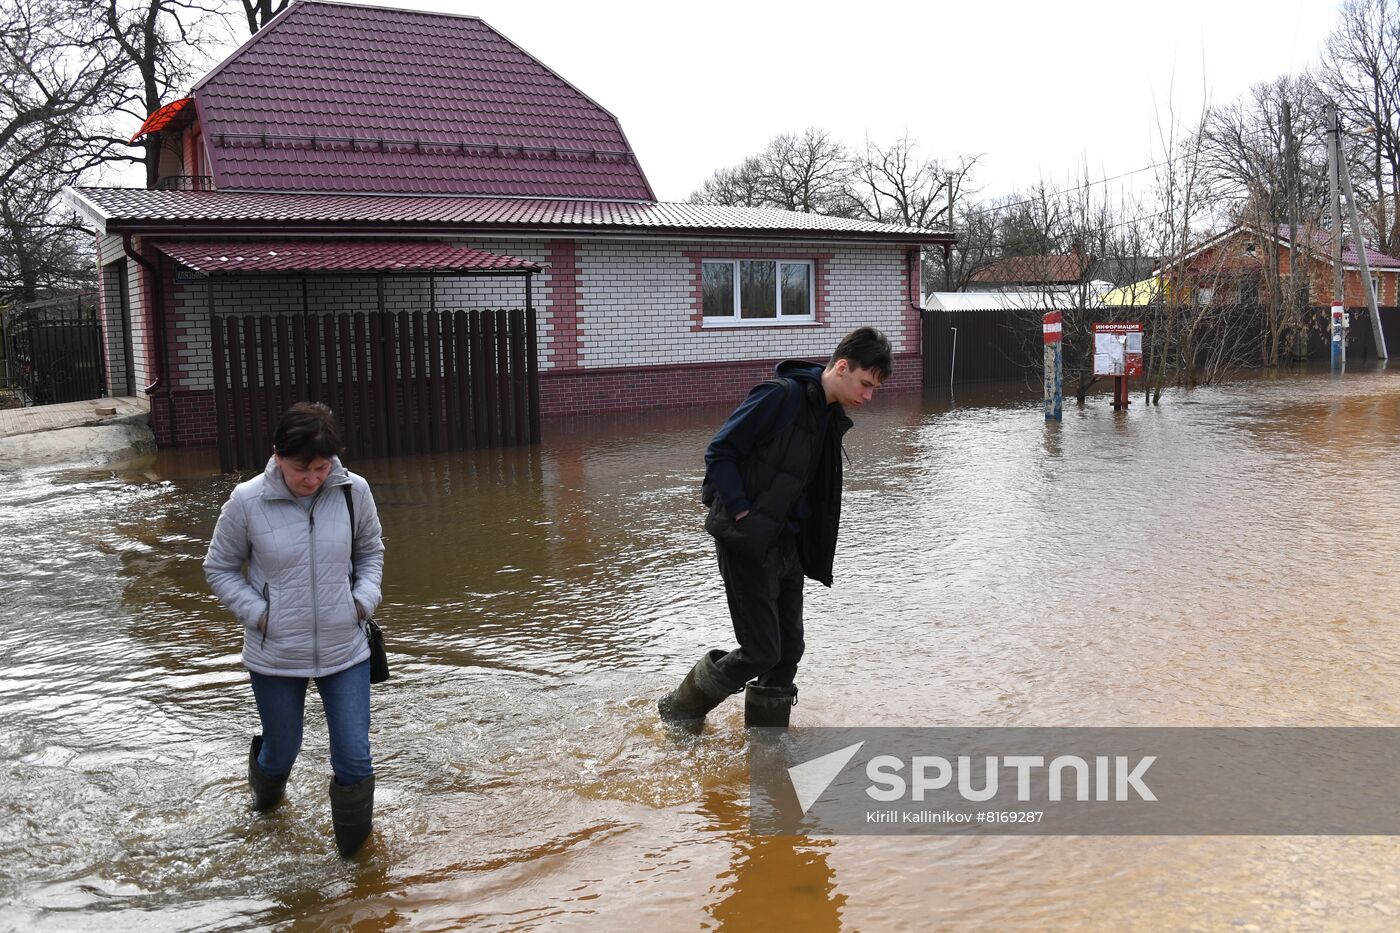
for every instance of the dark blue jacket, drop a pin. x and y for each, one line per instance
(779, 457)
(756, 421)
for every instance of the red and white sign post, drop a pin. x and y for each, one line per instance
(1054, 362)
(1339, 345)
(1118, 353)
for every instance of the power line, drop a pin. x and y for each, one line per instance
(1090, 184)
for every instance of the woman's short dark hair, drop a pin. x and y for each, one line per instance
(865, 348)
(306, 431)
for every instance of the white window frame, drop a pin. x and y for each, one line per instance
(781, 320)
(1376, 287)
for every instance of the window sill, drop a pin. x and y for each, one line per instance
(760, 324)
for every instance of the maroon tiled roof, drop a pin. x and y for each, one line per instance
(131, 210)
(1034, 270)
(1321, 243)
(337, 256)
(335, 97)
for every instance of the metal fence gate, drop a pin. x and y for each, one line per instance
(400, 382)
(53, 349)
(972, 346)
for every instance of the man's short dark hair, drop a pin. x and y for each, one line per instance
(306, 431)
(865, 348)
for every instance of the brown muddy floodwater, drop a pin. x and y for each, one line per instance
(1224, 559)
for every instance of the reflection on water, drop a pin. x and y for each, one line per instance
(1222, 559)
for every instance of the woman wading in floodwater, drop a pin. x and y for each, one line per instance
(302, 542)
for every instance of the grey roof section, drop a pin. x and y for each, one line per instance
(140, 210)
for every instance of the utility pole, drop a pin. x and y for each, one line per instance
(1339, 350)
(1358, 243)
(947, 250)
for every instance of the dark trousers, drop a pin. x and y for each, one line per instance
(765, 604)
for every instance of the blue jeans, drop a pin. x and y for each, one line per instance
(345, 696)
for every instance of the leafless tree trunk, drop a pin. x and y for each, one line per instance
(159, 42)
(260, 12)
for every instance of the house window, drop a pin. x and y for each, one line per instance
(1376, 288)
(1204, 296)
(1249, 292)
(1249, 247)
(758, 291)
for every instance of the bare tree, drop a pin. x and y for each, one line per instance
(809, 173)
(56, 77)
(260, 12)
(1360, 71)
(805, 172)
(160, 43)
(742, 185)
(1056, 238)
(977, 228)
(1202, 326)
(896, 184)
(1244, 155)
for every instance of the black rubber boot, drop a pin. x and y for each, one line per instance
(267, 789)
(352, 813)
(703, 689)
(768, 706)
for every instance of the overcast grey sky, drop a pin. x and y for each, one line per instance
(1034, 87)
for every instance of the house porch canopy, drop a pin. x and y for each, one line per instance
(345, 257)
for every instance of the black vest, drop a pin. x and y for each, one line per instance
(775, 477)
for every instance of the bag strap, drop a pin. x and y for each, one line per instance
(792, 407)
(791, 392)
(350, 507)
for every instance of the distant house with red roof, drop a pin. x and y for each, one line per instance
(360, 160)
(1012, 273)
(1232, 267)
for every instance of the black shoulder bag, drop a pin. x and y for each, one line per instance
(378, 657)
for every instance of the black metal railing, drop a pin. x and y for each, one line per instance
(186, 183)
(53, 349)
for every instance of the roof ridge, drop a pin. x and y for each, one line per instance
(252, 40)
(389, 9)
(297, 4)
(519, 104)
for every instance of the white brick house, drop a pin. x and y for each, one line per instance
(639, 303)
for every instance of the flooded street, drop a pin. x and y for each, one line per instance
(1224, 559)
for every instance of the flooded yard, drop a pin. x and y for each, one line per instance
(1223, 559)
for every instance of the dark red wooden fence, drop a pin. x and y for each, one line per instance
(402, 382)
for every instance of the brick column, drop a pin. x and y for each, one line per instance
(566, 330)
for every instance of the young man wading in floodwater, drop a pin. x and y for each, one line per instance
(773, 486)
